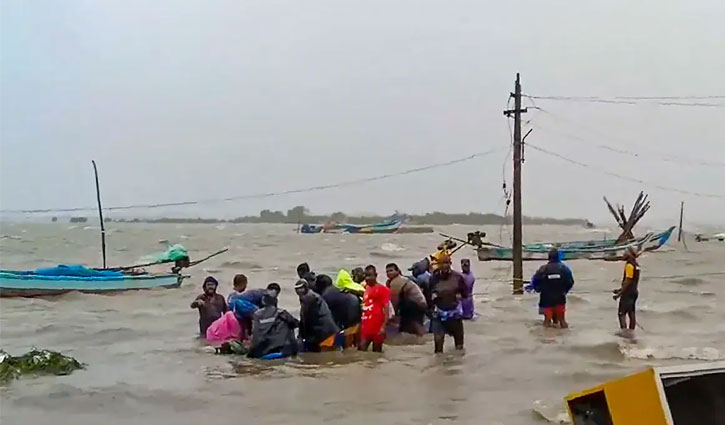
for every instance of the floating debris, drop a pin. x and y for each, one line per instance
(36, 362)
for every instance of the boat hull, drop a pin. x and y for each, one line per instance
(13, 285)
(610, 253)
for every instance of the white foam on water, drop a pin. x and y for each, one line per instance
(391, 247)
(551, 414)
(665, 353)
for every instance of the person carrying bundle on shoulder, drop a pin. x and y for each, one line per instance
(447, 291)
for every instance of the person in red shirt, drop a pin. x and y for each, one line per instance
(374, 312)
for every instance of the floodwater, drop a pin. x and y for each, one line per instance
(145, 364)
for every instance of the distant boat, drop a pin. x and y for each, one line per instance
(78, 219)
(606, 249)
(389, 226)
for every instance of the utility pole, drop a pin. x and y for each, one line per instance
(518, 278)
(682, 210)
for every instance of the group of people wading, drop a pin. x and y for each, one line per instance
(354, 310)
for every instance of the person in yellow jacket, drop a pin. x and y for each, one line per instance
(349, 283)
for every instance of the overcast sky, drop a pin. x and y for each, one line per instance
(183, 100)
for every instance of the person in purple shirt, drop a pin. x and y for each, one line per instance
(469, 279)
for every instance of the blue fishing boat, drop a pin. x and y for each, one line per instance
(388, 226)
(62, 279)
(601, 243)
(576, 250)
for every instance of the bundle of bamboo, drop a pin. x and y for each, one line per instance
(627, 223)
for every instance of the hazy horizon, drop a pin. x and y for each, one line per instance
(180, 101)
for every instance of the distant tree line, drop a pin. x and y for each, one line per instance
(301, 214)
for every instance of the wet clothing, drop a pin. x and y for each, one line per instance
(345, 283)
(316, 321)
(273, 332)
(345, 308)
(409, 305)
(452, 327)
(468, 309)
(553, 281)
(214, 307)
(374, 311)
(446, 292)
(254, 296)
(628, 298)
(553, 312)
(628, 302)
(225, 329)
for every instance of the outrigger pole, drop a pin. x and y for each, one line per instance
(518, 278)
(100, 215)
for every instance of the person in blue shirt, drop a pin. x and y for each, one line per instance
(553, 281)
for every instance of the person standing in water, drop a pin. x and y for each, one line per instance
(553, 281)
(317, 326)
(628, 293)
(211, 305)
(273, 329)
(469, 279)
(447, 290)
(407, 300)
(374, 312)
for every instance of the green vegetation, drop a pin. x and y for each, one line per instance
(301, 214)
(36, 362)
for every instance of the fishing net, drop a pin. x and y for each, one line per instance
(173, 253)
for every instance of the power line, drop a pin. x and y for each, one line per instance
(679, 159)
(267, 194)
(623, 177)
(623, 151)
(642, 100)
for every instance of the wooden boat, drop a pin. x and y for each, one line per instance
(539, 252)
(32, 284)
(62, 279)
(679, 395)
(601, 243)
(390, 226)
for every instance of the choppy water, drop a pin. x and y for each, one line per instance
(145, 365)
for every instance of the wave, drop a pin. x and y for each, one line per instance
(666, 353)
(553, 414)
(611, 350)
(240, 265)
(690, 281)
(378, 254)
(391, 247)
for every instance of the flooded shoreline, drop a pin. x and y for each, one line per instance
(144, 360)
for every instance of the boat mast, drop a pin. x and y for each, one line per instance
(518, 278)
(100, 215)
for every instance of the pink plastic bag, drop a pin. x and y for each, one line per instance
(225, 328)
